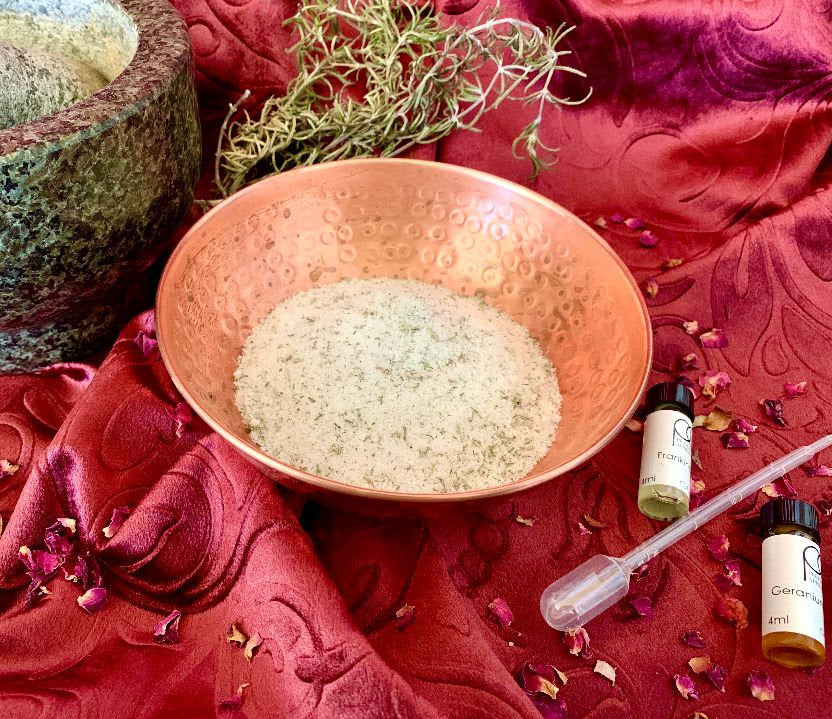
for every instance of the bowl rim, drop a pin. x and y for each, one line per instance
(162, 50)
(257, 456)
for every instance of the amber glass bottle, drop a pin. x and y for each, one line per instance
(792, 614)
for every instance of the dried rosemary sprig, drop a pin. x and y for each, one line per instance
(376, 77)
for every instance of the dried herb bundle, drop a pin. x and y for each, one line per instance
(380, 76)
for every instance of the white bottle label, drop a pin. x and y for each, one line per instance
(792, 594)
(665, 454)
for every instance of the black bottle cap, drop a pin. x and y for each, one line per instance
(673, 392)
(788, 511)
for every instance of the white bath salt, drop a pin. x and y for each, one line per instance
(398, 385)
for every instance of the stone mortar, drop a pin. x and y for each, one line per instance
(90, 194)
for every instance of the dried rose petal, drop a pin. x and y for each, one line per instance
(651, 288)
(761, 685)
(719, 547)
(818, 470)
(593, 523)
(59, 535)
(688, 361)
(697, 493)
(794, 390)
(731, 578)
(181, 416)
(713, 339)
(780, 487)
(235, 636)
(146, 342)
(691, 327)
(405, 616)
(87, 571)
(7, 469)
(166, 630)
(699, 664)
(712, 381)
(616, 217)
(528, 521)
(531, 672)
(634, 223)
(643, 606)
(671, 263)
(252, 645)
(635, 425)
(93, 599)
(116, 520)
(735, 440)
(40, 565)
(236, 702)
(685, 686)
(699, 715)
(600, 222)
(576, 641)
(696, 459)
(605, 669)
(539, 678)
(648, 239)
(744, 426)
(582, 530)
(718, 420)
(501, 612)
(732, 610)
(716, 675)
(549, 708)
(693, 638)
(774, 411)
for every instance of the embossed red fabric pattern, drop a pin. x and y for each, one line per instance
(710, 122)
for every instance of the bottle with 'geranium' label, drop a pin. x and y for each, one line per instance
(792, 615)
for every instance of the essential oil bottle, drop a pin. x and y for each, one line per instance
(792, 593)
(664, 480)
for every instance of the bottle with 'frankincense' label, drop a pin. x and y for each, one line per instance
(664, 480)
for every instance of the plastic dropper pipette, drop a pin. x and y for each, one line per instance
(601, 581)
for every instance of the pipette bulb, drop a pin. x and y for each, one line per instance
(585, 592)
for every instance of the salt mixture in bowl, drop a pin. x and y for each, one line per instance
(398, 385)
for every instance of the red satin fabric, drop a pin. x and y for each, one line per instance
(708, 120)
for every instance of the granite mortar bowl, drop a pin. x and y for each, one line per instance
(466, 230)
(90, 186)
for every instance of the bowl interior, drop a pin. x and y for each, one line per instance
(465, 230)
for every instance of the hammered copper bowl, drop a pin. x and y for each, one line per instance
(439, 223)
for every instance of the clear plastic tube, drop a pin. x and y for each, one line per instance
(601, 581)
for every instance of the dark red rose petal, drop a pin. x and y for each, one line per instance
(93, 599)
(713, 339)
(693, 638)
(685, 686)
(405, 616)
(166, 630)
(146, 343)
(60, 535)
(761, 685)
(643, 606)
(501, 612)
(774, 411)
(794, 390)
(116, 520)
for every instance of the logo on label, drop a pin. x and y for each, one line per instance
(681, 433)
(811, 563)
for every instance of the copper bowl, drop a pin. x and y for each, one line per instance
(466, 230)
